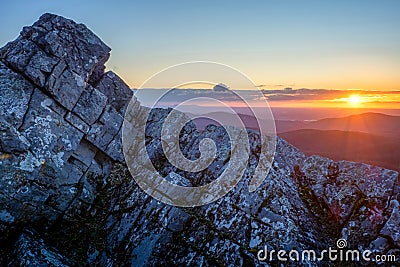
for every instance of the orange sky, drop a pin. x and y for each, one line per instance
(288, 97)
(347, 100)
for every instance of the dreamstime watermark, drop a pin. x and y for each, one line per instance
(340, 253)
(234, 104)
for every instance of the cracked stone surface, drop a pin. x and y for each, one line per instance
(49, 109)
(63, 174)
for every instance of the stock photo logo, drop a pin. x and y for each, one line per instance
(175, 101)
(339, 253)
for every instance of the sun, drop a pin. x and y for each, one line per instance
(354, 100)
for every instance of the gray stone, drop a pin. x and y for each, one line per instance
(59, 37)
(85, 153)
(39, 67)
(117, 91)
(103, 132)
(77, 122)
(114, 149)
(31, 250)
(378, 245)
(391, 228)
(11, 141)
(15, 96)
(57, 55)
(66, 88)
(51, 137)
(46, 164)
(90, 105)
(18, 53)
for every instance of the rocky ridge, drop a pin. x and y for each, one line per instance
(65, 188)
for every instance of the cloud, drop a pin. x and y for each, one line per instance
(288, 95)
(305, 94)
(275, 85)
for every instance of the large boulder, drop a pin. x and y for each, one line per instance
(58, 117)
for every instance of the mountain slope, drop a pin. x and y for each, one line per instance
(374, 123)
(346, 145)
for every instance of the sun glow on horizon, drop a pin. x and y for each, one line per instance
(354, 100)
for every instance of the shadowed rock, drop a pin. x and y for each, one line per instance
(30, 250)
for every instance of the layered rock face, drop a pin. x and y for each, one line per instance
(62, 173)
(60, 120)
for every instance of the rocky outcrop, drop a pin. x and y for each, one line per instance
(60, 120)
(62, 173)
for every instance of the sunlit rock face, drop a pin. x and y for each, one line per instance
(62, 173)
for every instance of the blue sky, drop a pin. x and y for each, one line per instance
(314, 44)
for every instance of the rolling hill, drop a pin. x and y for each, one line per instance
(372, 138)
(346, 145)
(373, 123)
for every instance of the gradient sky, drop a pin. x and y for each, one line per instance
(313, 44)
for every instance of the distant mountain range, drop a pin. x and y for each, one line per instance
(346, 145)
(373, 138)
(373, 123)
